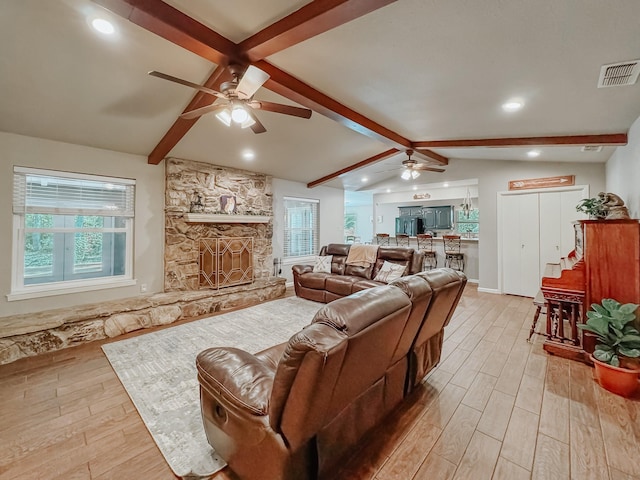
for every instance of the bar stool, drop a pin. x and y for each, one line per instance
(453, 257)
(402, 239)
(425, 245)
(382, 238)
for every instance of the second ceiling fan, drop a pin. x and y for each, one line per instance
(412, 167)
(237, 103)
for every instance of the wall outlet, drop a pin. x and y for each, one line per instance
(143, 287)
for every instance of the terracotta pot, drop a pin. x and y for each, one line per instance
(621, 381)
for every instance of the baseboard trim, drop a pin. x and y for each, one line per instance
(489, 290)
(473, 280)
(289, 284)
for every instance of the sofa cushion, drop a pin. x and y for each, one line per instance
(323, 264)
(315, 280)
(339, 253)
(364, 285)
(390, 272)
(341, 285)
(358, 271)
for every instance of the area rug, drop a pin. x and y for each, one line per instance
(158, 371)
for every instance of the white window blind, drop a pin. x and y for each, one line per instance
(65, 193)
(302, 227)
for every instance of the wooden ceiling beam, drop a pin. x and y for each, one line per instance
(368, 161)
(296, 90)
(181, 126)
(313, 19)
(173, 25)
(613, 139)
(431, 156)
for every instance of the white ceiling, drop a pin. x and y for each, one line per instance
(427, 69)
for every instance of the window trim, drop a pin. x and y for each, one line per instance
(20, 291)
(286, 259)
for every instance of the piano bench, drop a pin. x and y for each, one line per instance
(539, 303)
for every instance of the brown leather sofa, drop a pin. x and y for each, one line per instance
(346, 279)
(294, 410)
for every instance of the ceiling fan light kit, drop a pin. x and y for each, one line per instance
(237, 99)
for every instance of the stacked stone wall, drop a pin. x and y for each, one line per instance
(186, 182)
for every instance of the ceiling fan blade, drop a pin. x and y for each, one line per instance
(187, 83)
(427, 168)
(257, 127)
(202, 110)
(251, 81)
(280, 108)
(389, 170)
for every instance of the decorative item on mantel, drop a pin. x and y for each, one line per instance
(228, 204)
(197, 206)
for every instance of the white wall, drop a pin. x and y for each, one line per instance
(149, 222)
(331, 215)
(623, 171)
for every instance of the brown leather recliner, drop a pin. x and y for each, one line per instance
(447, 286)
(347, 279)
(293, 410)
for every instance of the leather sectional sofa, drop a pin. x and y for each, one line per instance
(346, 279)
(294, 410)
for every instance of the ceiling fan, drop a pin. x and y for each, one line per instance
(234, 103)
(411, 167)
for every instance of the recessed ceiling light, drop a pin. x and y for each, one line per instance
(364, 179)
(248, 155)
(388, 190)
(533, 153)
(512, 105)
(415, 187)
(445, 185)
(103, 26)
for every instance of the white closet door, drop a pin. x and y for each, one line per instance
(568, 215)
(530, 237)
(550, 229)
(520, 244)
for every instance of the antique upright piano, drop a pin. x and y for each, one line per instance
(604, 264)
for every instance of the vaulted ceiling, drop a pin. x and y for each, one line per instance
(380, 75)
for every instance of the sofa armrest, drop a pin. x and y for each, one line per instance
(237, 379)
(300, 269)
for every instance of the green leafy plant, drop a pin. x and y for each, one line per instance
(613, 324)
(594, 207)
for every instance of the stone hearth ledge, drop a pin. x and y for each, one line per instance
(31, 334)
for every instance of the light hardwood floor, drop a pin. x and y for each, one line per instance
(496, 407)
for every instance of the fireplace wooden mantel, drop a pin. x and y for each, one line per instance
(224, 218)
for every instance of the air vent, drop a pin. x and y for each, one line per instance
(619, 74)
(591, 148)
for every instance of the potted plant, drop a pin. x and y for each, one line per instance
(617, 355)
(594, 207)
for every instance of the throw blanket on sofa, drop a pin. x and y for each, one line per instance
(362, 255)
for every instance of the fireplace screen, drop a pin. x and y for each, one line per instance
(226, 261)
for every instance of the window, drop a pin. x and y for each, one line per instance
(71, 232)
(468, 225)
(350, 224)
(301, 227)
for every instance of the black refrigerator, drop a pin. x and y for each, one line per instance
(409, 226)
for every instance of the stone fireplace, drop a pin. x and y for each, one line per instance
(218, 226)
